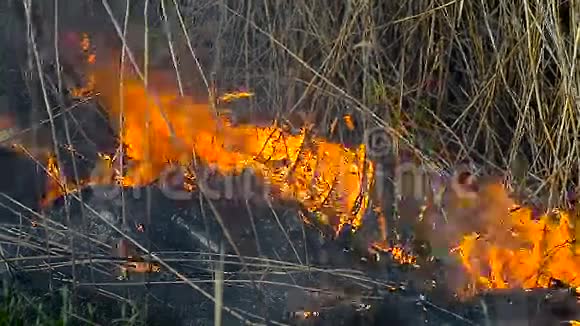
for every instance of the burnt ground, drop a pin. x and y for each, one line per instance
(285, 267)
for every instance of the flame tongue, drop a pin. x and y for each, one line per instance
(171, 129)
(517, 251)
(160, 127)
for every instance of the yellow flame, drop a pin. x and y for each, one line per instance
(160, 128)
(518, 251)
(228, 97)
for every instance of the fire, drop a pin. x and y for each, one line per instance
(54, 187)
(229, 97)
(398, 254)
(401, 256)
(348, 121)
(160, 129)
(140, 267)
(103, 174)
(164, 128)
(518, 251)
(91, 58)
(310, 314)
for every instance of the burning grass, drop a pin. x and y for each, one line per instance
(161, 128)
(531, 252)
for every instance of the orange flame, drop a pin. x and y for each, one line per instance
(229, 97)
(91, 58)
(163, 128)
(160, 128)
(517, 251)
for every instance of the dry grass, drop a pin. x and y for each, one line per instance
(490, 82)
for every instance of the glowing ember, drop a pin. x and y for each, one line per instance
(401, 256)
(54, 188)
(348, 121)
(140, 267)
(398, 254)
(103, 174)
(91, 58)
(228, 97)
